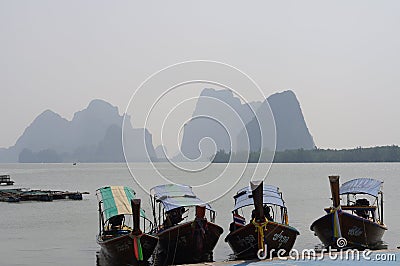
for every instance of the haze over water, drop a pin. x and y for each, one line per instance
(64, 232)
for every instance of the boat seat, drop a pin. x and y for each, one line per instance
(118, 228)
(113, 233)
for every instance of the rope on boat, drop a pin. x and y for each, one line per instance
(176, 244)
(271, 231)
(365, 234)
(201, 227)
(260, 228)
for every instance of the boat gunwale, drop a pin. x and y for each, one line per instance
(269, 222)
(188, 223)
(100, 241)
(382, 226)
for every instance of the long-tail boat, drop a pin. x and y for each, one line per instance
(183, 239)
(268, 230)
(120, 237)
(358, 223)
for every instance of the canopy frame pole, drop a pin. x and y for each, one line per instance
(101, 222)
(381, 207)
(153, 206)
(159, 213)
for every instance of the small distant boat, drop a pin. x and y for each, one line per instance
(6, 180)
(268, 228)
(74, 163)
(120, 237)
(358, 224)
(182, 240)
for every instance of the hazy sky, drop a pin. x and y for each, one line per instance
(341, 58)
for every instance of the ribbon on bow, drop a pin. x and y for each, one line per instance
(137, 248)
(260, 228)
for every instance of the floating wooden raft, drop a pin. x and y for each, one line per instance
(22, 194)
(6, 180)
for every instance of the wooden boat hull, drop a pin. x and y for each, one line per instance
(360, 233)
(244, 243)
(187, 243)
(120, 250)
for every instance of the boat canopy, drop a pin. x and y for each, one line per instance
(116, 200)
(271, 195)
(362, 186)
(173, 196)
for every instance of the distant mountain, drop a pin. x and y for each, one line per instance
(218, 112)
(90, 125)
(93, 135)
(219, 116)
(161, 153)
(291, 129)
(48, 131)
(220, 121)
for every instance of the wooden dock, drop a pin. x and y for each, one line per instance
(22, 194)
(6, 180)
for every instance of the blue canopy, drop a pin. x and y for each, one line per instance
(173, 196)
(362, 186)
(271, 195)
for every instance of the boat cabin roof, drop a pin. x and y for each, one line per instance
(271, 195)
(362, 186)
(173, 196)
(116, 200)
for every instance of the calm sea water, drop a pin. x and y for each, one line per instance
(64, 232)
